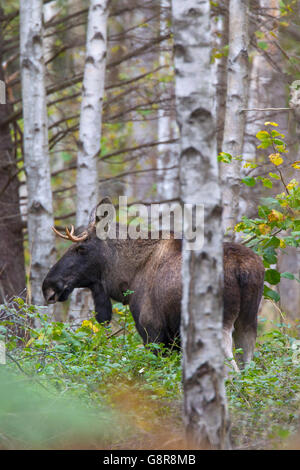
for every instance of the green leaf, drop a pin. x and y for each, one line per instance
(275, 176)
(272, 276)
(249, 181)
(263, 135)
(224, 157)
(263, 45)
(275, 133)
(271, 294)
(263, 211)
(267, 183)
(274, 242)
(270, 256)
(287, 275)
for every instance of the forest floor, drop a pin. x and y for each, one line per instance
(127, 396)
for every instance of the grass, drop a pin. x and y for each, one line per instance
(123, 395)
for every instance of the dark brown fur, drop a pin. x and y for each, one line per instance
(152, 270)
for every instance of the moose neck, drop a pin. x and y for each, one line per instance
(121, 261)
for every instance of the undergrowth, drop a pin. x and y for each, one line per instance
(131, 389)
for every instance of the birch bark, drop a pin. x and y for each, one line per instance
(90, 130)
(234, 127)
(91, 110)
(205, 411)
(167, 181)
(220, 40)
(36, 155)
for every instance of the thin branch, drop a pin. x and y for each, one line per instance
(267, 109)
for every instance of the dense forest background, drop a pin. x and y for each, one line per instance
(132, 144)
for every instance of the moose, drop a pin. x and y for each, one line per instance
(151, 270)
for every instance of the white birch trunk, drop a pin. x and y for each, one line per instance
(167, 154)
(90, 130)
(205, 412)
(91, 110)
(50, 10)
(220, 40)
(234, 127)
(167, 184)
(36, 154)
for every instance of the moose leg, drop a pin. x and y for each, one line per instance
(227, 345)
(147, 322)
(231, 300)
(151, 335)
(244, 338)
(245, 327)
(102, 303)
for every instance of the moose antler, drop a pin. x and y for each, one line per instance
(70, 235)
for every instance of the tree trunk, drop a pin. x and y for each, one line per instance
(234, 127)
(12, 269)
(205, 411)
(220, 40)
(167, 181)
(36, 154)
(90, 130)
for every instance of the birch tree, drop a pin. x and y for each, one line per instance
(236, 101)
(220, 41)
(167, 184)
(90, 128)
(36, 154)
(205, 412)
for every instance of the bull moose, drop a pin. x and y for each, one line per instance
(151, 270)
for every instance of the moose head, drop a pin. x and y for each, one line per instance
(80, 266)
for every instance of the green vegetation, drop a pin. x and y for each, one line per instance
(278, 222)
(63, 381)
(264, 399)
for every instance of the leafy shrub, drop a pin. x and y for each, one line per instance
(278, 222)
(137, 389)
(264, 398)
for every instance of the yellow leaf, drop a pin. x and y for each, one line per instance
(292, 184)
(239, 227)
(89, 324)
(282, 243)
(29, 342)
(275, 216)
(270, 123)
(264, 228)
(276, 158)
(116, 310)
(296, 165)
(283, 203)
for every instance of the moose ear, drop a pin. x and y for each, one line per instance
(94, 218)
